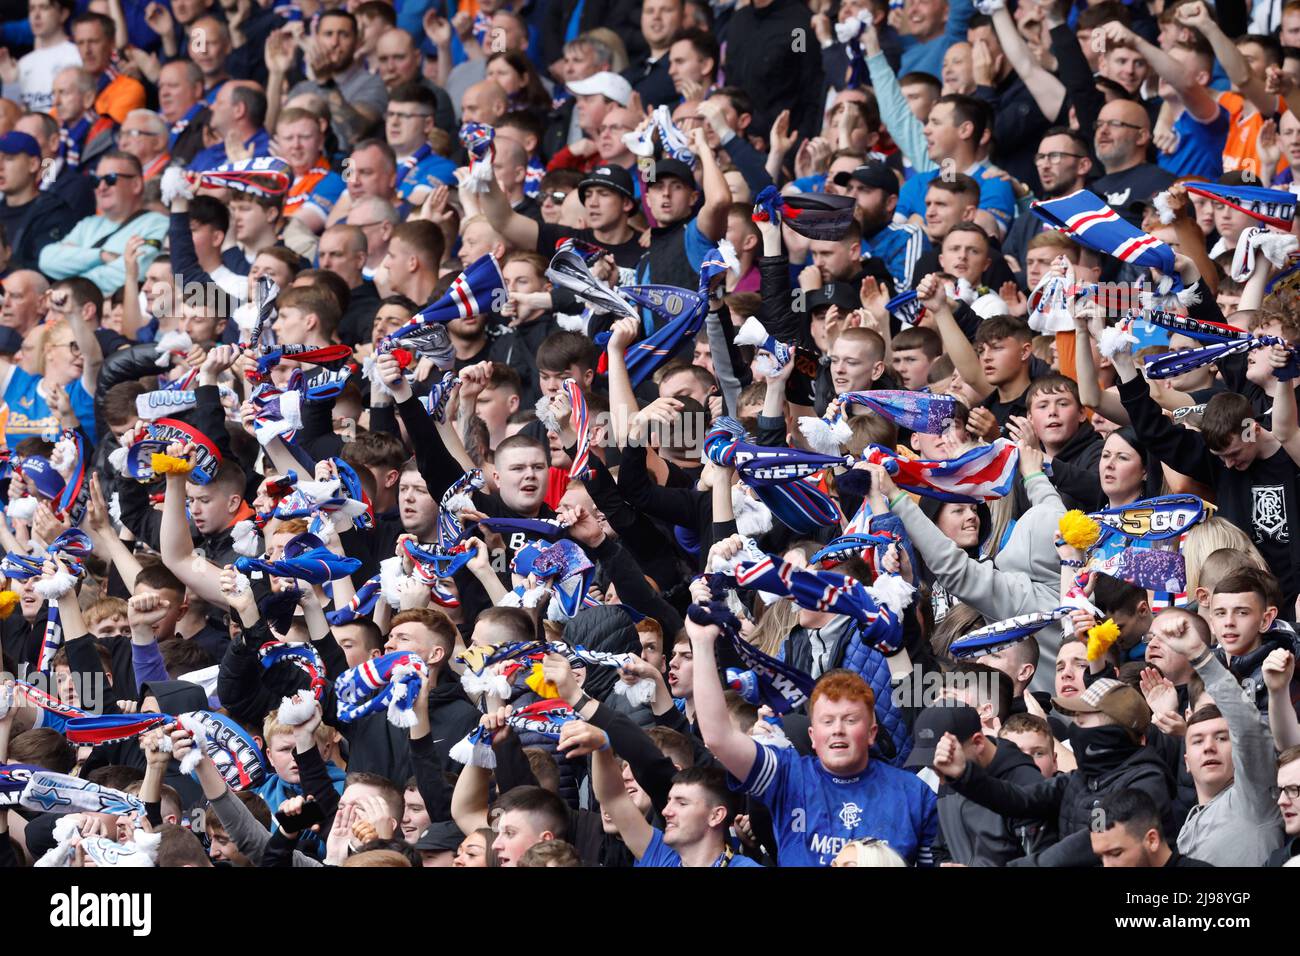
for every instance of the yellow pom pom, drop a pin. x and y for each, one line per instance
(539, 685)
(1100, 639)
(167, 465)
(8, 601)
(1078, 530)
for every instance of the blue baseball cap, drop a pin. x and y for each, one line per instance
(15, 143)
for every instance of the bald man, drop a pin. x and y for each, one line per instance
(483, 103)
(1122, 135)
(22, 302)
(377, 219)
(511, 167)
(342, 251)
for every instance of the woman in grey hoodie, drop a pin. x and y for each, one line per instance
(1024, 577)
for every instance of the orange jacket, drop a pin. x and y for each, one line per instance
(120, 97)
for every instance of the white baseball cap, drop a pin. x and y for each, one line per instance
(607, 84)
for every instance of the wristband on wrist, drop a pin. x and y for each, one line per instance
(1203, 658)
(1071, 563)
(1033, 474)
(897, 498)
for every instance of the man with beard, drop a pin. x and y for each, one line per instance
(356, 97)
(1122, 137)
(1064, 163)
(898, 245)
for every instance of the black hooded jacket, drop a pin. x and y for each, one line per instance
(376, 746)
(1070, 799)
(976, 836)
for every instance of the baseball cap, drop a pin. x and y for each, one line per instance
(963, 722)
(875, 175)
(443, 835)
(675, 167)
(1117, 700)
(15, 143)
(611, 177)
(843, 294)
(607, 84)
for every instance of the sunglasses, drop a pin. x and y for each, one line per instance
(110, 179)
(556, 197)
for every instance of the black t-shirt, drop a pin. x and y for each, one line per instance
(1262, 501)
(1128, 190)
(530, 208)
(626, 254)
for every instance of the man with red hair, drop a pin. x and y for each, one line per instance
(820, 802)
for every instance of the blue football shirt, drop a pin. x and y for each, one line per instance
(815, 813)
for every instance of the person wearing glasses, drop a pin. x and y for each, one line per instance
(58, 395)
(1064, 162)
(1287, 795)
(1229, 755)
(409, 121)
(1120, 139)
(1199, 124)
(94, 247)
(377, 219)
(555, 189)
(144, 136)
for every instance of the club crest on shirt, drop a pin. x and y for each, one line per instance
(850, 815)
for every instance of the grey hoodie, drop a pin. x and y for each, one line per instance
(1024, 577)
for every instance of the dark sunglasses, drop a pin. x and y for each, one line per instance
(110, 179)
(556, 197)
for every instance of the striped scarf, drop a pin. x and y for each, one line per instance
(72, 139)
(390, 683)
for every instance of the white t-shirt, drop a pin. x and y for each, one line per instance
(36, 72)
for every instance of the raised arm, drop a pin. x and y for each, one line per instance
(1196, 98)
(1285, 427)
(1048, 92)
(712, 217)
(607, 785)
(469, 801)
(1091, 394)
(177, 546)
(734, 749)
(622, 401)
(1247, 82)
(517, 230)
(930, 291)
(896, 116)
(91, 353)
(1278, 669)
